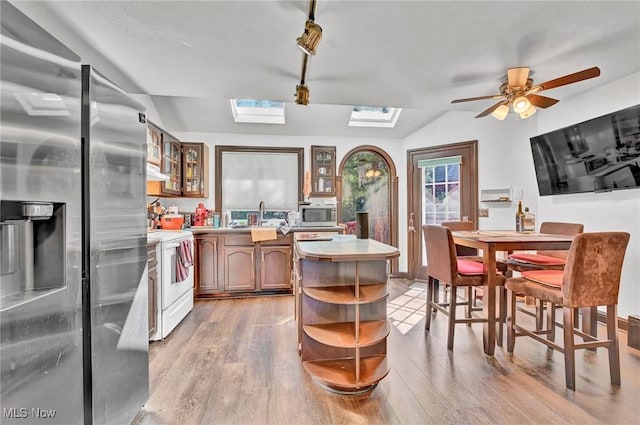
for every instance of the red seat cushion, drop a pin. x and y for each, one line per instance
(551, 278)
(469, 267)
(543, 260)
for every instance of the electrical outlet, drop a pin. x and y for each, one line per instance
(483, 212)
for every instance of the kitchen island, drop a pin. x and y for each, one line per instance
(231, 262)
(341, 294)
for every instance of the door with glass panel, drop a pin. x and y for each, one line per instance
(442, 186)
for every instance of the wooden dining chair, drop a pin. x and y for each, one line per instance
(443, 264)
(545, 260)
(591, 278)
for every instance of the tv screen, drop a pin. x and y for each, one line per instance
(601, 154)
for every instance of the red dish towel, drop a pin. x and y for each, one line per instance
(184, 260)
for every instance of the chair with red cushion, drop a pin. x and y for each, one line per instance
(444, 265)
(591, 278)
(547, 260)
(468, 254)
(543, 260)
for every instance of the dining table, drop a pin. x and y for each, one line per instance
(491, 242)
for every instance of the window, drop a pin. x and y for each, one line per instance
(257, 111)
(247, 175)
(374, 116)
(441, 186)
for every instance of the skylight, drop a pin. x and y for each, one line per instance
(374, 116)
(257, 111)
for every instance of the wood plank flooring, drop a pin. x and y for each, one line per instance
(235, 361)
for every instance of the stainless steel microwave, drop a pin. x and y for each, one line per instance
(318, 216)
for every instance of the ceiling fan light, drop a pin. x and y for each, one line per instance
(521, 104)
(500, 112)
(526, 114)
(310, 38)
(302, 94)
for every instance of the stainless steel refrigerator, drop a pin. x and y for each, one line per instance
(73, 277)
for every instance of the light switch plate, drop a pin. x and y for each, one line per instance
(483, 212)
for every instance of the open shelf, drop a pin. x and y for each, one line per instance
(343, 334)
(346, 294)
(340, 374)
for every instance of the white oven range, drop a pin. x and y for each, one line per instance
(174, 300)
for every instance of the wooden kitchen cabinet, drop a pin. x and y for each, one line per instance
(154, 144)
(323, 171)
(239, 268)
(275, 267)
(206, 265)
(256, 266)
(186, 164)
(195, 170)
(152, 271)
(171, 165)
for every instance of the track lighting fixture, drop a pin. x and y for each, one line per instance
(310, 38)
(302, 94)
(308, 42)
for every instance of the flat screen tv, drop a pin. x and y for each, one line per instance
(601, 154)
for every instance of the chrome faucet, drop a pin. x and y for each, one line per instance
(260, 213)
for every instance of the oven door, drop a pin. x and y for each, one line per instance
(172, 290)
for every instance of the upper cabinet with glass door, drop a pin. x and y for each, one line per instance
(195, 170)
(171, 165)
(154, 145)
(323, 171)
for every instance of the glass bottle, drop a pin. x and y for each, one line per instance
(519, 217)
(528, 221)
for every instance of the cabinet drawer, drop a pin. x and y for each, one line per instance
(245, 240)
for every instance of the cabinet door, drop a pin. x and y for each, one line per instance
(275, 267)
(171, 165)
(323, 171)
(239, 268)
(154, 146)
(206, 278)
(195, 160)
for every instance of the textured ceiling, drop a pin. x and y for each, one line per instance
(192, 57)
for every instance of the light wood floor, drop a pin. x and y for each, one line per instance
(235, 362)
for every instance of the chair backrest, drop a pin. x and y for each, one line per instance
(565, 229)
(592, 273)
(441, 254)
(459, 225)
(462, 251)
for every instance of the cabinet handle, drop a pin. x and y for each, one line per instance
(262, 252)
(252, 256)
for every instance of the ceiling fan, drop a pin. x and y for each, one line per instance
(520, 92)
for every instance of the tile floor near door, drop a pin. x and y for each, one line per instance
(235, 362)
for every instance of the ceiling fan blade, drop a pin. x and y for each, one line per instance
(541, 101)
(469, 99)
(517, 77)
(491, 109)
(568, 79)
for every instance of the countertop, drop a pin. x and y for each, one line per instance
(210, 229)
(346, 248)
